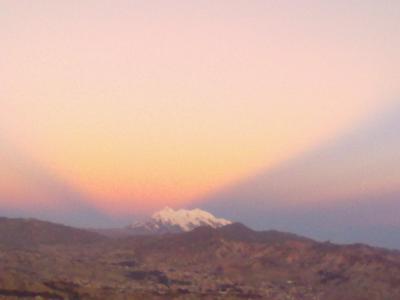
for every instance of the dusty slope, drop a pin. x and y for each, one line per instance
(232, 262)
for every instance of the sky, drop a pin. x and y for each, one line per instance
(111, 110)
(344, 191)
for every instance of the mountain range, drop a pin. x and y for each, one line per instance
(167, 220)
(43, 260)
(170, 221)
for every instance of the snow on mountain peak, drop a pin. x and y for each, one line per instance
(170, 220)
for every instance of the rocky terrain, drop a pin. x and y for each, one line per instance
(52, 261)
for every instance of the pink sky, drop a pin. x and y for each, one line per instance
(140, 104)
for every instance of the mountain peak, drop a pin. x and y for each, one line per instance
(180, 220)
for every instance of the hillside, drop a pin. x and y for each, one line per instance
(230, 262)
(31, 232)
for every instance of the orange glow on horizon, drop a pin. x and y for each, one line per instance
(140, 105)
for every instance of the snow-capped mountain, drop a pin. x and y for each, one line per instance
(169, 220)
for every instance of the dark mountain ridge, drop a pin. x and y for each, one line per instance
(33, 232)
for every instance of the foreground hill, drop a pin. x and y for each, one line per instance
(275, 265)
(31, 232)
(230, 262)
